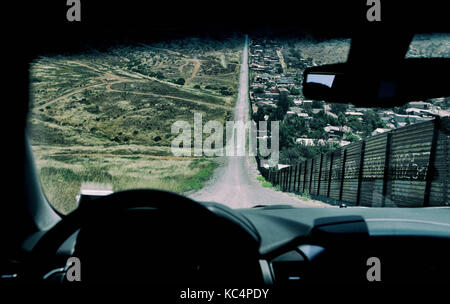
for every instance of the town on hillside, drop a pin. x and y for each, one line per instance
(309, 127)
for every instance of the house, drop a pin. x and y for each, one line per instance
(390, 125)
(266, 103)
(400, 119)
(263, 78)
(387, 120)
(362, 110)
(307, 103)
(257, 66)
(291, 113)
(387, 113)
(432, 113)
(295, 109)
(255, 86)
(344, 143)
(334, 132)
(414, 111)
(331, 114)
(283, 91)
(310, 141)
(420, 105)
(379, 131)
(303, 115)
(297, 102)
(271, 95)
(354, 113)
(442, 113)
(285, 81)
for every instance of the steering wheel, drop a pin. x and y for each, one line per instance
(152, 236)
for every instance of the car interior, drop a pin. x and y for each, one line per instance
(151, 239)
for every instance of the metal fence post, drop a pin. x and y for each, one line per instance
(360, 173)
(299, 174)
(431, 168)
(304, 176)
(330, 174)
(447, 171)
(386, 172)
(342, 175)
(320, 174)
(289, 179)
(285, 178)
(295, 178)
(311, 175)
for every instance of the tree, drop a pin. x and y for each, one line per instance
(319, 134)
(300, 152)
(290, 130)
(337, 108)
(325, 119)
(258, 90)
(294, 91)
(354, 123)
(341, 119)
(282, 107)
(317, 104)
(284, 102)
(259, 115)
(180, 81)
(371, 121)
(351, 137)
(318, 121)
(225, 91)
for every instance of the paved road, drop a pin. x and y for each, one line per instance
(234, 183)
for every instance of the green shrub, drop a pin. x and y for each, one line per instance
(180, 81)
(96, 174)
(59, 173)
(266, 184)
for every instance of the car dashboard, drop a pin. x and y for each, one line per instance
(340, 245)
(300, 247)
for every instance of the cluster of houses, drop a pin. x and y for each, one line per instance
(270, 79)
(416, 111)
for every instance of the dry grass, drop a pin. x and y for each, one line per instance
(106, 117)
(63, 173)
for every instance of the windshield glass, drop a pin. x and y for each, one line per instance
(176, 115)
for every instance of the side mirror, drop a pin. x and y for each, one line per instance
(412, 79)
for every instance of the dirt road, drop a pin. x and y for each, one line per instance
(234, 183)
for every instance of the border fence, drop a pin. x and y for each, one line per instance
(406, 167)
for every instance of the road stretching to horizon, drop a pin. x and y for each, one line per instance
(234, 183)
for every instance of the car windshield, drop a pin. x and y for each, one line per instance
(177, 115)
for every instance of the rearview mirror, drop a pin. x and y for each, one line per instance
(412, 79)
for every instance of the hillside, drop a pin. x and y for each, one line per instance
(106, 116)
